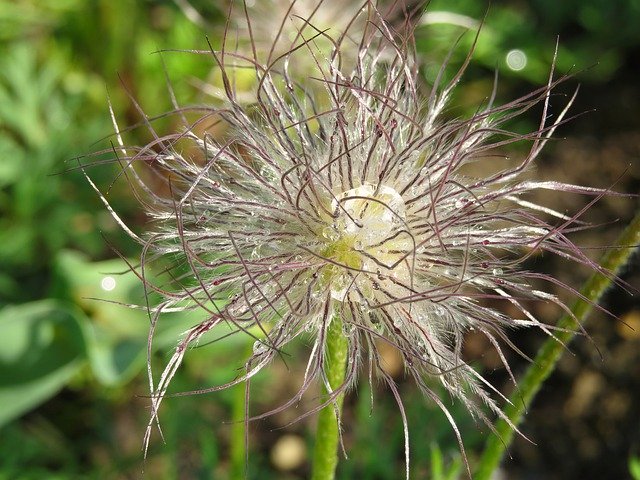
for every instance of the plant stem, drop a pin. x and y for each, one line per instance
(238, 447)
(238, 427)
(325, 457)
(552, 350)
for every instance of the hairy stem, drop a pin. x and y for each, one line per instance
(613, 261)
(325, 457)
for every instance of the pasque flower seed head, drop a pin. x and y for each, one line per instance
(358, 202)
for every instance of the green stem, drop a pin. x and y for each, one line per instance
(237, 446)
(238, 437)
(325, 457)
(551, 350)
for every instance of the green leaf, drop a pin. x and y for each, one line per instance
(117, 335)
(114, 298)
(41, 348)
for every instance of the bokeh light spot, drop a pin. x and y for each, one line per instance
(516, 60)
(108, 283)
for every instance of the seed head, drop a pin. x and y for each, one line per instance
(351, 194)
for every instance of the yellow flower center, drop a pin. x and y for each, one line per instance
(367, 237)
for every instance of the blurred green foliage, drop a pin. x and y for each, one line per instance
(593, 35)
(43, 346)
(75, 362)
(634, 468)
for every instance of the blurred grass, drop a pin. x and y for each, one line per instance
(71, 368)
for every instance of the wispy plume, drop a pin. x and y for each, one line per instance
(349, 193)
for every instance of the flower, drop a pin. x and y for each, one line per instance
(273, 29)
(361, 203)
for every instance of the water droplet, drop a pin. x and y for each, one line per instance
(329, 233)
(461, 203)
(348, 329)
(451, 273)
(375, 286)
(258, 348)
(497, 271)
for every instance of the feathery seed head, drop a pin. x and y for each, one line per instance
(357, 202)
